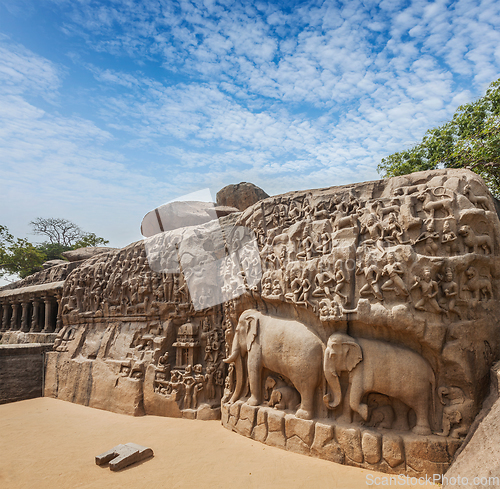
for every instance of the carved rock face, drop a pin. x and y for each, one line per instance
(402, 275)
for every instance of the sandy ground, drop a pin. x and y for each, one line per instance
(47, 443)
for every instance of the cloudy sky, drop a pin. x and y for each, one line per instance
(109, 109)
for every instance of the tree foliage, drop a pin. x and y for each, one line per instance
(470, 140)
(18, 256)
(21, 258)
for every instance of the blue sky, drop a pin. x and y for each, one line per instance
(109, 109)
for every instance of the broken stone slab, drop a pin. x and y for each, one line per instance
(122, 456)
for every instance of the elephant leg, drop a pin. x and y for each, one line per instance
(422, 427)
(355, 395)
(306, 410)
(401, 412)
(255, 380)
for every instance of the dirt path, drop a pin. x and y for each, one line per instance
(46, 443)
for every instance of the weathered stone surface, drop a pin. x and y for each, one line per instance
(424, 454)
(21, 371)
(480, 457)
(53, 263)
(371, 443)
(349, 440)
(276, 421)
(409, 267)
(302, 428)
(324, 445)
(393, 449)
(259, 432)
(241, 195)
(296, 444)
(276, 439)
(87, 252)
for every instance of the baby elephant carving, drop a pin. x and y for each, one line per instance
(284, 398)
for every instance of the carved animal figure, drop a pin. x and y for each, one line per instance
(376, 366)
(381, 412)
(270, 384)
(284, 398)
(479, 286)
(457, 413)
(480, 201)
(342, 222)
(474, 241)
(283, 346)
(430, 206)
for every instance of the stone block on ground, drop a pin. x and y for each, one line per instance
(122, 456)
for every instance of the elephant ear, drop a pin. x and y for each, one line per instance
(353, 355)
(252, 330)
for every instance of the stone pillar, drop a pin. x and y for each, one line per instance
(24, 318)
(48, 327)
(34, 317)
(13, 319)
(59, 313)
(5, 316)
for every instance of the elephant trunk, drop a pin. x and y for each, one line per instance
(233, 357)
(238, 367)
(333, 381)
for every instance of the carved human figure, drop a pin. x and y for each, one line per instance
(267, 254)
(341, 280)
(267, 286)
(324, 282)
(450, 293)
(277, 291)
(392, 231)
(325, 243)
(210, 379)
(429, 290)
(306, 245)
(189, 384)
(372, 274)
(395, 271)
(458, 412)
(449, 239)
(199, 379)
(375, 232)
(295, 287)
(294, 213)
(428, 237)
(305, 291)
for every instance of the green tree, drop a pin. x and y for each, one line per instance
(20, 257)
(470, 140)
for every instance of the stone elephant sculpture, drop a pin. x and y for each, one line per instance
(284, 398)
(283, 346)
(376, 366)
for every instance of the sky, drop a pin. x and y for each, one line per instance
(109, 109)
